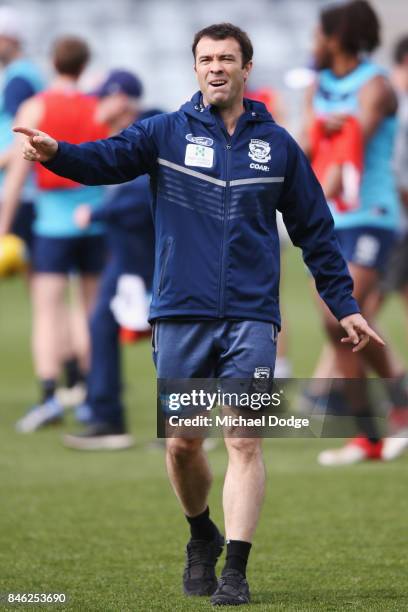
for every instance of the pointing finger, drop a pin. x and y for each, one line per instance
(375, 336)
(26, 131)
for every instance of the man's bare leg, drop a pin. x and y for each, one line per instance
(189, 473)
(244, 487)
(243, 494)
(191, 479)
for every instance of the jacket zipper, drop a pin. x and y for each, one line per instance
(166, 255)
(228, 146)
(221, 305)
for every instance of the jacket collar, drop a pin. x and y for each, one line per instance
(254, 111)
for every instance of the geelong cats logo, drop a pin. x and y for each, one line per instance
(259, 151)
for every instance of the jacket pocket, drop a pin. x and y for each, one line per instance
(275, 333)
(165, 259)
(155, 334)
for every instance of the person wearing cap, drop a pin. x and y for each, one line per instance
(126, 280)
(21, 79)
(60, 248)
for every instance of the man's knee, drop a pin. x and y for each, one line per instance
(181, 449)
(244, 449)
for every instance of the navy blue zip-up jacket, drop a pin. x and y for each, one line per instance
(214, 204)
(127, 215)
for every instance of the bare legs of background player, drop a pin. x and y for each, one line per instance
(75, 351)
(353, 366)
(49, 319)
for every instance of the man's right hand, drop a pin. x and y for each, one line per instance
(38, 146)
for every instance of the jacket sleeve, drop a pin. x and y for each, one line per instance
(105, 213)
(107, 162)
(310, 226)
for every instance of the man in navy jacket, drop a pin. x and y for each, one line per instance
(220, 167)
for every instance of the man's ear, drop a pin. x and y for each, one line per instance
(247, 70)
(194, 67)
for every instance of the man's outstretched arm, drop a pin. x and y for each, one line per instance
(103, 162)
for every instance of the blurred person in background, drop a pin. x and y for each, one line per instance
(60, 248)
(20, 79)
(396, 275)
(126, 280)
(351, 126)
(398, 269)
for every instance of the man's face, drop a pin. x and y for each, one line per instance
(118, 110)
(322, 50)
(220, 74)
(7, 49)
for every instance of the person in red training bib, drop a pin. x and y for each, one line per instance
(60, 248)
(337, 160)
(80, 125)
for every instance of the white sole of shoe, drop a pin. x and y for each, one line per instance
(348, 455)
(395, 446)
(113, 442)
(36, 419)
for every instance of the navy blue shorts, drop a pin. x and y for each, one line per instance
(23, 224)
(369, 247)
(83, 254)
(214, 349)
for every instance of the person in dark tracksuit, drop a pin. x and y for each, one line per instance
(220, 167)
(127, 217)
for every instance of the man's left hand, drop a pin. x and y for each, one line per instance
(82, 215)
(358, 332)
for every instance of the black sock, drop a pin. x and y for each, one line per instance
(367, 425)
(397, 389)
(73, 374)
(237, 556)
(201, 526)
(48, 386)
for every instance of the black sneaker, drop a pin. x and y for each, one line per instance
(99, 436)
(232, 590)
(199, 574)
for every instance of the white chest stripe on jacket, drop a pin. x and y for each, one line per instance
(253, 181)
(221, 183)
(200, 175)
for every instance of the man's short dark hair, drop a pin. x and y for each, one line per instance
(221, 31)
(70, 55)
(401, 50)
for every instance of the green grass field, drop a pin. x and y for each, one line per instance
(105, 528)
